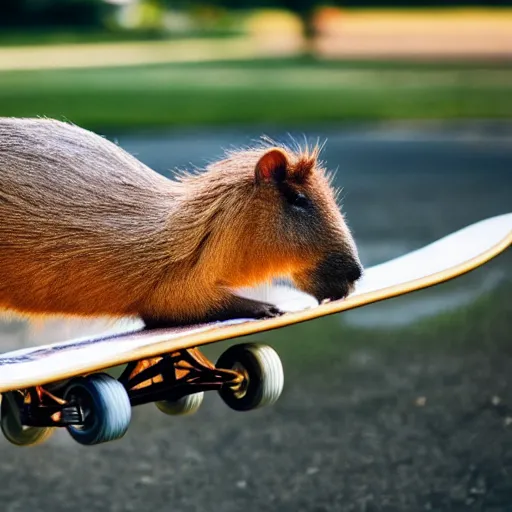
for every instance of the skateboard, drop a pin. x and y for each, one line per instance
(67, 384)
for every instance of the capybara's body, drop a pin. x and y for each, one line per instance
(88, 230)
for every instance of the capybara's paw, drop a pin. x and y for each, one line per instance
(268, 311)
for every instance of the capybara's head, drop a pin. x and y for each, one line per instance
(284, 221)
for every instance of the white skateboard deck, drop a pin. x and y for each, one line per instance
(440, 261)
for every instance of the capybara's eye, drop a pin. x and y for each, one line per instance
(293, 197)
(300, 200)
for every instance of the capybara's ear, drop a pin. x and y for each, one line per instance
(272, 166)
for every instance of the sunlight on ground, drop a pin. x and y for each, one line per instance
(128, 54)
(447, 33)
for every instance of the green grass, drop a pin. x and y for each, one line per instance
(294, 91)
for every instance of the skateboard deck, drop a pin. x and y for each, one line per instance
(442, 260)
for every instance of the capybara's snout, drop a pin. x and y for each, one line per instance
(333, 278)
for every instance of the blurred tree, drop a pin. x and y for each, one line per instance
(12, 12)
(91, 13)
(302, 6)
(53, 13)
(304, 9)
(423, 3)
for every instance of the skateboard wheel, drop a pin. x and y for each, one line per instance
(263, 376)
(185, 405)
(13, 430)
(105, 405)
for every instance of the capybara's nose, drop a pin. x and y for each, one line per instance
(335, 277)
(354, 272)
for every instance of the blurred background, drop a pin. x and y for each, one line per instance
(404, 405)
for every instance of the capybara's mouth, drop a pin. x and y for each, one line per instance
(332, 298)
(341, 292)
(333, 279)
(333, 287)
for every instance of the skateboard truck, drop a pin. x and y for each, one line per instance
(40, 408)
(97, 408)
(51, 415)
(174, 376)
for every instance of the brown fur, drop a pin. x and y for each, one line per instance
(86, 229)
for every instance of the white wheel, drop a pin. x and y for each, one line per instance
(263, 376)
(105, 405)
(186, 405)
(11, 425)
